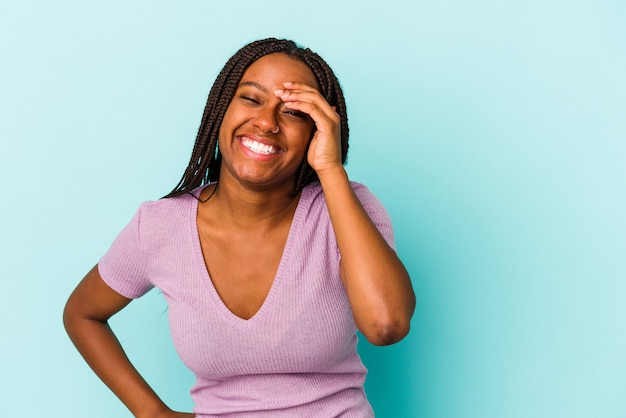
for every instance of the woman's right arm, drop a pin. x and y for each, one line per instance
(85, 317)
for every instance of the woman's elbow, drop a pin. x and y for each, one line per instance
(71, 316)
(387, 332)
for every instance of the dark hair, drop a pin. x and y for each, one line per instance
(204, 164)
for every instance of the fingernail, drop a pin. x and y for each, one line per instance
(278, 92)
(288, 84)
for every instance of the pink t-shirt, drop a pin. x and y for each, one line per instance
(296, 357)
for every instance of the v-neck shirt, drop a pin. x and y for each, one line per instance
(296, 356)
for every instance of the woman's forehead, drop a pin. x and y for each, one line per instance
(278, 68)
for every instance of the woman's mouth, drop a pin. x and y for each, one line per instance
(258, 147)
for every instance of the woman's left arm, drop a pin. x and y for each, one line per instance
(378, 285)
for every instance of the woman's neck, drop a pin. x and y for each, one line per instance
(250, 207)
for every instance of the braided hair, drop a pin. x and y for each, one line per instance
(205, 161)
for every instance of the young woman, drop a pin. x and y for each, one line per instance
(269, 258)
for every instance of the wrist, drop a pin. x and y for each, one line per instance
(332, 174)
(161, 411)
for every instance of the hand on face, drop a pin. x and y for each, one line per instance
(325, 148)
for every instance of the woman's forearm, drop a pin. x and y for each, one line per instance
(378, 285)
(85, 318)
(100, 348)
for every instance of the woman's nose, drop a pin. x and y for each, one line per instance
(266, 120)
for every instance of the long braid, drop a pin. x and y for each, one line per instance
(205, 161)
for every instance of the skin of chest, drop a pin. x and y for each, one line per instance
(242, 261)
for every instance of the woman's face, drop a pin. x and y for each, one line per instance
(252, 153)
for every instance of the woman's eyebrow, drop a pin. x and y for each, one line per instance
(253, 84)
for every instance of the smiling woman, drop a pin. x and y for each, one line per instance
(269, 258)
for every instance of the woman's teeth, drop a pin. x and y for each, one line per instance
(259, 148)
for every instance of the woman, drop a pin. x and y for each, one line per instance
(270, 259)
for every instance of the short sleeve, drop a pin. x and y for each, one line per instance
(123, 266)
(376, 211)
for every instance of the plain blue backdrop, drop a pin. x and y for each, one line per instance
(493, 131)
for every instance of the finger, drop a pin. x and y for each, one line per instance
(294, 89)
(298, 94)
(306, 96)
(325, 122)
(290, 85)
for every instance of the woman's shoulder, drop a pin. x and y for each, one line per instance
(313, 198)
(167, 208)
(313, 192)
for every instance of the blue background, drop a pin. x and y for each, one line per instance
(493, 131)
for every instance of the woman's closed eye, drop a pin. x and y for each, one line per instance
(249, 99)
(296, 114)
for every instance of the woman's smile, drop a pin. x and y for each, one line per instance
(258, 147)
